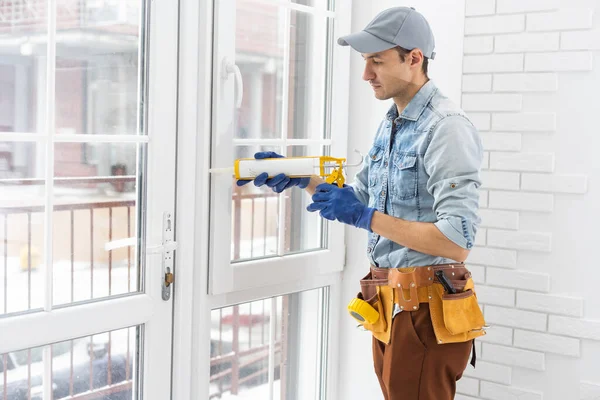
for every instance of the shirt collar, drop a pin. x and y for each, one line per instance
(416, 105)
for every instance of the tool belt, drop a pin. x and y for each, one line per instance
(455, 317)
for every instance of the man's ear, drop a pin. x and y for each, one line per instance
(416, 56)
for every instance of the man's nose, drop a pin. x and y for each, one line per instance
(368, 74)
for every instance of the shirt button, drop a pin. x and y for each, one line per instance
(383, 192)
(369, 250)
(385, 164)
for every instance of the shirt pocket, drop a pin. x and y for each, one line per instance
(404, 175)
(375, 165)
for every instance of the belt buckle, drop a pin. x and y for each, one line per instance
(402, 280)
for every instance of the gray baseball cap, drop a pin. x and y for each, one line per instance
(397, 26)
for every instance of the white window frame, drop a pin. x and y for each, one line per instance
(228, 277)
(193, 298)
(146, 309)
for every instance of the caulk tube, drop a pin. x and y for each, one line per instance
(294, 167)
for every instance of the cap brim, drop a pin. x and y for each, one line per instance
(364, 42)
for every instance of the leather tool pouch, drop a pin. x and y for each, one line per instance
(380, 296)
(456, 317)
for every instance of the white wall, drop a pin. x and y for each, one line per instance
(530, 81)
(357, 378)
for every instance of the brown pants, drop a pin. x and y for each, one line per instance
(414, 366)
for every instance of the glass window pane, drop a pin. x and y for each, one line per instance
(95, 220)
(307, 74)
(23, 38)
(97, 67)
(22, 226)
(304, 230)
(241, 345)
(259, 38)
(255, 215)
(101, 365)
(261, 30)
(22, 374)
(312, 3)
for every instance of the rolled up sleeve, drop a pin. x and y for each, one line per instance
(453, 162)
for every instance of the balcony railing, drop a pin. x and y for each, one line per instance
(241, 339)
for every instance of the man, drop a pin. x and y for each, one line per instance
(416, 195)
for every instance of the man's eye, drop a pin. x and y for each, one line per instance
(377, 62)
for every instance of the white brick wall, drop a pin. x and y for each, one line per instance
(520, 6)
(477, 83)
(499, 219)
(468, 386)
(501, 141)
(490, 372)
(478, 273)
(526, 82)
(554, 183)
(563, 61)
(585, 329)
(533, 241)
(493, 63)
(517, 279)
(480, 7)
(495, 257)
(526, 122)
(500, 180)
(580, 40)
(515, 52)
(574, 18)
(481, 237)
(535, 162)
(521, 201)
(553, 304)
(481, 121)
(523, 42)
(589, 391)
(492, 102)
(498, 334)
(494, 24)
(546, 342)
(495, 295)
(514, 357)
(478, 45)
(515, 318)
(494, 391)
(464, 397)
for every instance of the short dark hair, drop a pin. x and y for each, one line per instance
(402, 52)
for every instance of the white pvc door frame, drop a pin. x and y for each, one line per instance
(193, 298)
(147, 308)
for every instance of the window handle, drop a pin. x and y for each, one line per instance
(229, 67)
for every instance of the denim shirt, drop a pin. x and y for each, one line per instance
(424, 166)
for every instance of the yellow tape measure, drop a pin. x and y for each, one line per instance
(362, 311)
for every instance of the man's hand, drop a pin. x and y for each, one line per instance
(278, 183)
(341, 204)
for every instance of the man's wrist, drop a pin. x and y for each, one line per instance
(365, 219)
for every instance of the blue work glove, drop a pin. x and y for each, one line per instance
(278, 183)
(342, 204)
